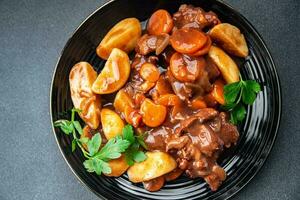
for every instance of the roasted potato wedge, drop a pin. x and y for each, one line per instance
(230, 39)
(81, 79)
(122, 100)
(114, 74)
(118, 166)
(123, 35)
(226, 65)
(157, 164)
(112, 124)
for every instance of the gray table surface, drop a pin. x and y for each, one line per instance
(32, 35)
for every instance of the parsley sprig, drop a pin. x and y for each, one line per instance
(72, 126)
(133, 153)
(237, 95)
(97, 158)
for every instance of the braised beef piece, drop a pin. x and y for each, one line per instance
(195, 139)
(150, 43)
(161, 87)
(189, 16)
(202, 84)
(202, 115)
(212, 70)
(134, 85)
(156, 138)
(183, 91)
(166, 56)
(216, 177)
(229, 133)
(204, 137)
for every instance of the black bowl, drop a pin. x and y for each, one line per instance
(258, 131)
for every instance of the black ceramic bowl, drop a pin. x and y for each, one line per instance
(258, 131)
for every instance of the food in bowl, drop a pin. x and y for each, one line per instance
(169, 111)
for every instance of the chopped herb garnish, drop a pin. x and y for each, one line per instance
(97, 158)
(236, 95)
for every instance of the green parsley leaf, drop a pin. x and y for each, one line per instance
(128, 158)
(77, 127)
(133, 154)
(239, 112)
(139, 156)
(128, 134)
(231, 92)
(94, 144)
(97, 158)
(141, 140)
(248, 96)
(113, 149)
(97, 165)
(253, 85)
(65, 125)
(73, 145)
(228, 106)
(105, 167)
(89, 166)
(237, 93)
(101, 166)
(84, 140)
(233, 118)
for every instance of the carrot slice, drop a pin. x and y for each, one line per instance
(139, 98)
(198, 104)
(153, 114)
(149, 72)
(132, 116)
(205, 49)
(187, 40)
(160, 22)
(168, 100)
(218, 92)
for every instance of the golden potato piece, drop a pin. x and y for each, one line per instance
(118, 166)
(226, 65)
(157, 164)
(122, 100)
(114, 74)
(123, 35)
(81, 79)
(112, 124)
(230, 39)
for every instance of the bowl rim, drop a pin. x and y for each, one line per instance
(272, 65)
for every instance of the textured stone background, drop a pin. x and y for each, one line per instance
(32, 35)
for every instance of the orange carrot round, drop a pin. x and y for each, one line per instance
(187, 40)
(149, 72)
(160, 22)
(218, 92)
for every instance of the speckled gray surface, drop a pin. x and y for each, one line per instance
(32, 34)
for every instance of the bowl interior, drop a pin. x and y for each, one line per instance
(257, 133)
